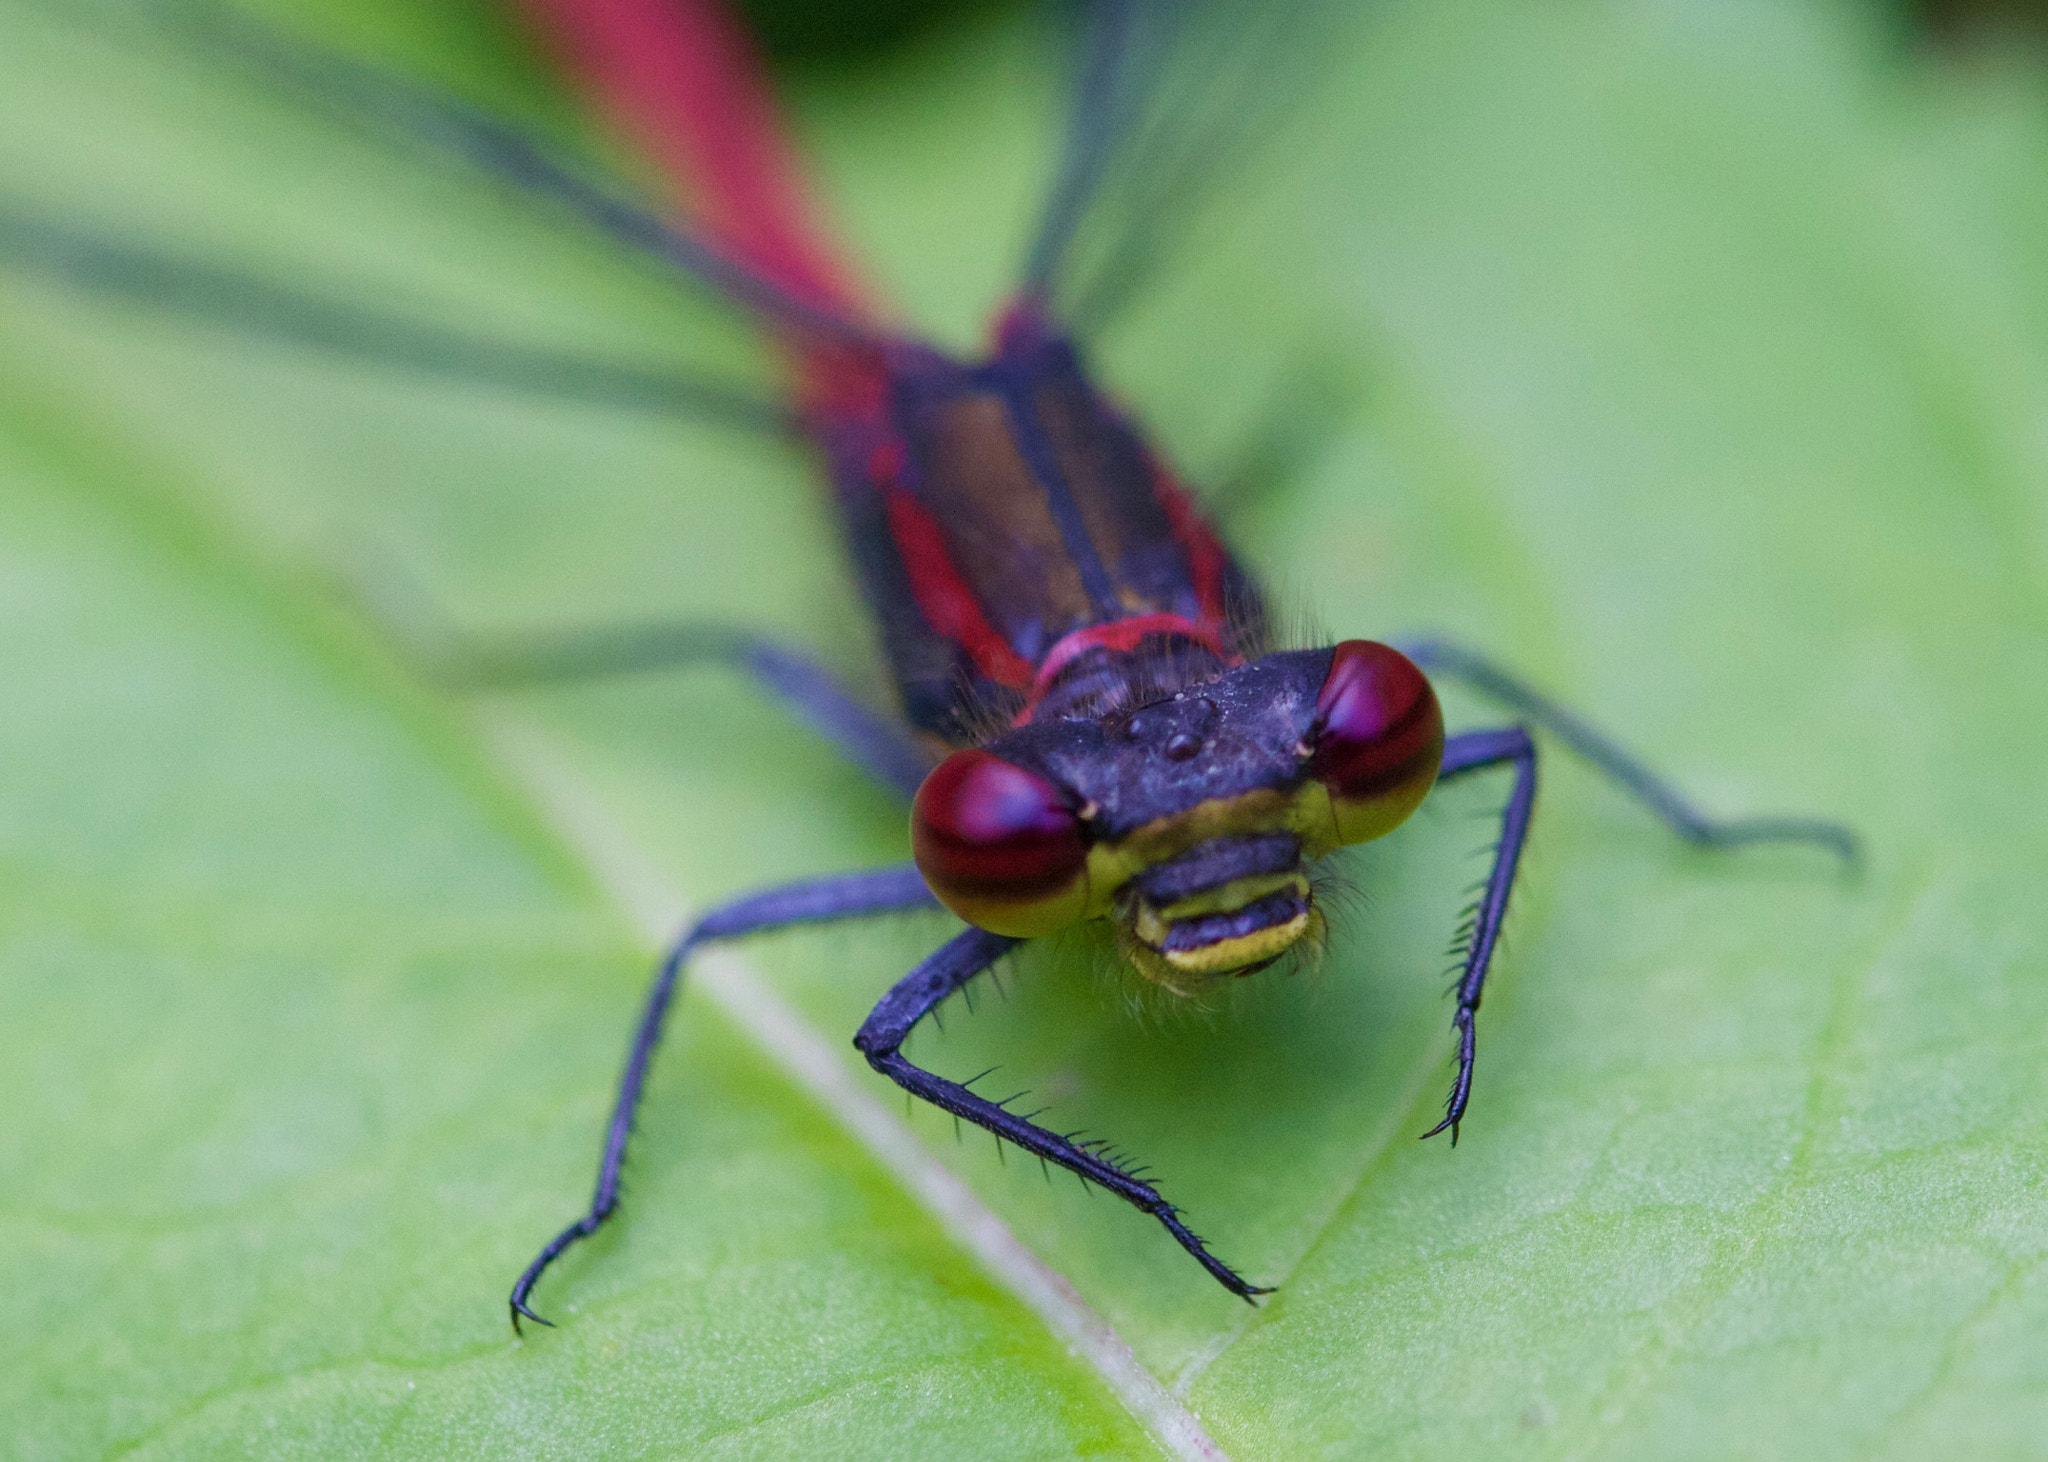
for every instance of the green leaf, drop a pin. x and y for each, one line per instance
(1690, 357)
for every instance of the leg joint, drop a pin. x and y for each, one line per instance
(880, 1048)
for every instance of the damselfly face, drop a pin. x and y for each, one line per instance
(1190, 819)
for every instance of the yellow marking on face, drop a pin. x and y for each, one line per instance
(1151, 923)
(1227, 955)
(1307, 811)
(1304, 811)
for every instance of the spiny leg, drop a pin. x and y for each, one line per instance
(915, 996)
(1652, 790)
(1468, 752)
(846, 896)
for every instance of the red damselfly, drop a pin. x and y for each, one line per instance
(1096, 723)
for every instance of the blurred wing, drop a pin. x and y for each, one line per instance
(413, 113)
(1171, 97)
(112, 259)
(106, 264)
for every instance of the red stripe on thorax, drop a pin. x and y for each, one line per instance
(1205, 553)
(942, 596)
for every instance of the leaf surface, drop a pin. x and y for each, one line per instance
(1688, 356)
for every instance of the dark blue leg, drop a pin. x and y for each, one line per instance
(845, 896)
(873, 742)
(1469, 752)
(1645, 785)
(914, 996)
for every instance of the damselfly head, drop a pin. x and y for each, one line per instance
(1190, 820)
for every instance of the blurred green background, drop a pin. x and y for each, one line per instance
(1691, 354)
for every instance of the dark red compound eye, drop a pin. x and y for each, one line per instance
(999, 846)
(1377, 740)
